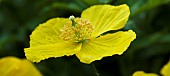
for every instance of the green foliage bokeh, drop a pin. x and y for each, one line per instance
(150, 19)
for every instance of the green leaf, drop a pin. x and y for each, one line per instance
(149, 5)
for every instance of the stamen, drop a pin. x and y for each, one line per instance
(77, 30)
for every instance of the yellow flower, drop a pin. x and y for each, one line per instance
(141, 73)
(12, 66)
(165, 71)
(82, 36)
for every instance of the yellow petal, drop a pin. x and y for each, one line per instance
(47, 33)
(106, 17)
(106, 45)
(12, 66)
(45, 42)
(38, 53)
(141, 73)
(165, 71)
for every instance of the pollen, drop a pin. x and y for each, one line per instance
(77, 30)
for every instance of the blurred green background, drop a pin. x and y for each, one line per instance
(150, 19)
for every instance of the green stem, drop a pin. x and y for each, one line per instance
(95, 70)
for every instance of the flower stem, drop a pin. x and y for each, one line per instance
(95, 70)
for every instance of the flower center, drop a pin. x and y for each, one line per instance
(77, 30)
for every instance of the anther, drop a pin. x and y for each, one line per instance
(77, 30)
